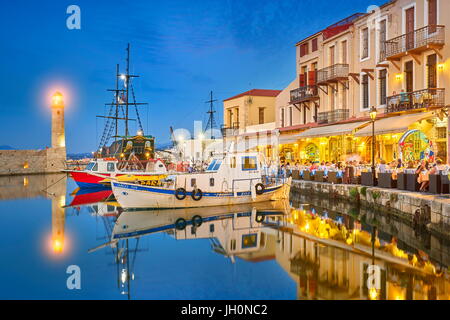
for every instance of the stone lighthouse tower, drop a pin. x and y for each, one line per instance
(56, 156)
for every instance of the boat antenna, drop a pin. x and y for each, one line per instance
(211, 121)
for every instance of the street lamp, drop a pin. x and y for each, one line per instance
(373, 117)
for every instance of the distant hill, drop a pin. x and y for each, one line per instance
(78, 156)
(7, 148)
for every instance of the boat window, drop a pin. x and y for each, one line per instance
(211, 182)
(249, 241)
(211, 228)
(233, 163)
(217, 166)
(90, 165)
(211, 166)
(249, 163)
(95, 167)
(193, 182)
(233, 244)
(111, 167)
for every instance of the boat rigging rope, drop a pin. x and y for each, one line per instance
(135, 106)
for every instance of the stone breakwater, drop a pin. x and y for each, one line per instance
(432, 211)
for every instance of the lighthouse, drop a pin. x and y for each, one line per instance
(56, 155)
(58, 135)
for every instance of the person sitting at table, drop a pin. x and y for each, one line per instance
(382, 167)
(399, 164)
(423, 172)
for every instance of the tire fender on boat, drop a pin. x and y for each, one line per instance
(197, 195)
(197, 221)
(180, 224)
(259, 189)
(180, 193)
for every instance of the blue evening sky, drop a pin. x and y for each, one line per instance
(181, 49)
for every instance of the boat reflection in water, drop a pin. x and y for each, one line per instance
(234, 232)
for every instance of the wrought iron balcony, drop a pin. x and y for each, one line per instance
(303, 94)
(423, 99)
(333, 73)
(233, 130)
(333, 116)
(429, 37)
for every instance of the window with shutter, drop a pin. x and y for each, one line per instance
(432, 71)
(302, 80)
(383, 39)
(365, 89)
(312, 78)
(432, 15)
(314, 45)
(365, 43)
(383, 86)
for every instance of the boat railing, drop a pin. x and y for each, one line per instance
(250, 181)
(267, 181)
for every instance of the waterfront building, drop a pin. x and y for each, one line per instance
(394, 59)
(249, 121)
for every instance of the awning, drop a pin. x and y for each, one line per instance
(333, 130)
(288, 139)
(396, 124)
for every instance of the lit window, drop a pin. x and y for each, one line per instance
(249, 163)
(249, 241)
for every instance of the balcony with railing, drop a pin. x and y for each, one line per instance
(304, 94)
(422, 99)
(229, 131)
(429, 37)
(333, 116)
(334, 73)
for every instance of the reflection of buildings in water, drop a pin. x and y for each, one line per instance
(329, 269)
(32, 186)
(51, 186)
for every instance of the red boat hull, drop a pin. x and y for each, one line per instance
(87, 180)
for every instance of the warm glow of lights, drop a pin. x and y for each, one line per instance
(62, 141)
(57, 246)
(122, 155)
(373, 113)
(441, 66)
(399, 77)
(57, 99)
(26, 165)
(25, 182)
(147, 155)
(373, 294)
(62, 201)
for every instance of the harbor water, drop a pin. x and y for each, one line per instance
(60, 242)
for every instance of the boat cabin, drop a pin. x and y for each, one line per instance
(234, 172)
(112, 165)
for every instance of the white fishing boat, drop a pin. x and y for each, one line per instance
(236, 178)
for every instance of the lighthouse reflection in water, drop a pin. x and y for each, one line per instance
(272, 250)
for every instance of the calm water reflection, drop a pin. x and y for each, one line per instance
(267, 251)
